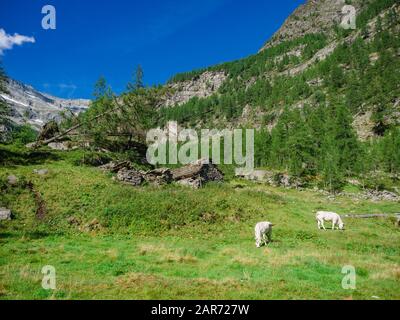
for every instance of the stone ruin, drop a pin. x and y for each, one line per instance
(194, 175)
(197, 174)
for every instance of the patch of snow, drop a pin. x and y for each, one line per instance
(13, 101)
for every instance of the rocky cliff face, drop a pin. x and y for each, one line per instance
(315, 16)
(202, 86)
(36, 108)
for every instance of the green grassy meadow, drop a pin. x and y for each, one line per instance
(176, 243)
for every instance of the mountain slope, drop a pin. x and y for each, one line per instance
(297, 67)
(35, 108)
(315, 16)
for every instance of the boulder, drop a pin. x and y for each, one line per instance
(41, 172)
(191, 182)
(12, 180)
(131, 177)
(5, 214)
(59, 146)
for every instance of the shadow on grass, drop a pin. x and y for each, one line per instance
(36, 235)
(13, 156)
(7, 235)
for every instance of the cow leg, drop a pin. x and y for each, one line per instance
(333, 225)
(319, 225)
(323, 225)
(258, 242)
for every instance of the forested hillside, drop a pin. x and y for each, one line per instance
(323, 105)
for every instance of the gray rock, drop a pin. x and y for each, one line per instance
(31, 145)
(12, 180)
(373, 195)
(131, 177)
(41, 172)
(5, 214)
(192, 183)
(59, 146)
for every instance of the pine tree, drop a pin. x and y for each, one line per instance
(345, 139)
(139, 78)
(331, 171)
(262, 145)
(337, 77)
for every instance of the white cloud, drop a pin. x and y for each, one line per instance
(7, 41)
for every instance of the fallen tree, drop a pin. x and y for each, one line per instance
(61, 135)
(395, 216)
(370, 216)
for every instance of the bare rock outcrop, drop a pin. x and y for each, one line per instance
(35, 108)
(202, 86)
(315, 16)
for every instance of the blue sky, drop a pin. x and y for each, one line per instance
(110, 38)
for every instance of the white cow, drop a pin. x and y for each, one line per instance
(323, 216)
(263, 233)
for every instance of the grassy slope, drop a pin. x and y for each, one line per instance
(173, 242)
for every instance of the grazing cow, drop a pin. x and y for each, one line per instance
(323, 216)
(263, 232)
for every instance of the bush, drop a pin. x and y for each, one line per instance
(24, 134)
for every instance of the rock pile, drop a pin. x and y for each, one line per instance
(375, 195)
(269, 177)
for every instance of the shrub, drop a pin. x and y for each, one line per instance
(24, 135)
